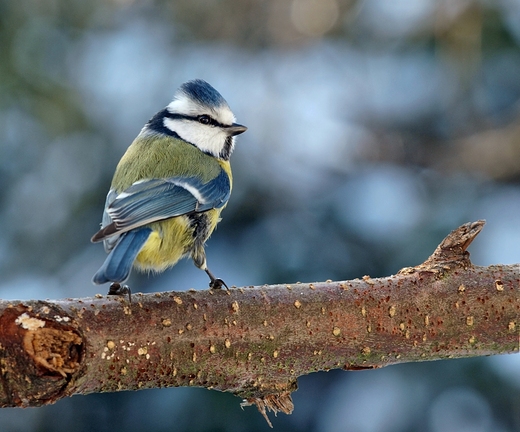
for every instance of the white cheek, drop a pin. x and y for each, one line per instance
(208, 138)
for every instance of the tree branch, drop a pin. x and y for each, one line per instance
(256, 341)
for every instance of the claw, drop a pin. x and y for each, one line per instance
(120, 290)
(217, 284)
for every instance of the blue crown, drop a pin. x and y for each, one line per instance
(203, 93)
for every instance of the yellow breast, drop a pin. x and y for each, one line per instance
(170, 240)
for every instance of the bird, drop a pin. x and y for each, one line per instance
(169, 188)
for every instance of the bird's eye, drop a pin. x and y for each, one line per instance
(204, 119)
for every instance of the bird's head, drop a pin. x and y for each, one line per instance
(199, 115)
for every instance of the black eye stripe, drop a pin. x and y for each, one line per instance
(211, 121)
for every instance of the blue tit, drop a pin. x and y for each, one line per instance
(170, 187)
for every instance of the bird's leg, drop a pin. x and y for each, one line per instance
(199, 258)
(120, 290)
(215, 283)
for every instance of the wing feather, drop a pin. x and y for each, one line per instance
(151, 200)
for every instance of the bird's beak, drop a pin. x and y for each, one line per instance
(235, 129)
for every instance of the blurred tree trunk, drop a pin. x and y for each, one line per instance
(256, 341)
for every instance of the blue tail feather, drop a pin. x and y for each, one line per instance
(118, 264)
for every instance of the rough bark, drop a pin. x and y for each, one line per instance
(256, 341)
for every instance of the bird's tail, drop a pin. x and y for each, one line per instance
(118, 264)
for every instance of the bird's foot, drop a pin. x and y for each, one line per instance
(217, 283)
(120, 290)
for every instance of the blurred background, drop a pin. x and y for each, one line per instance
(375, 128)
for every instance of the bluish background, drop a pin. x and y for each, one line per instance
(375, 128)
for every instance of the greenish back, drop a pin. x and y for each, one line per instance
(159, 156)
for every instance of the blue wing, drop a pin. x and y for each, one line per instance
(151, 200)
